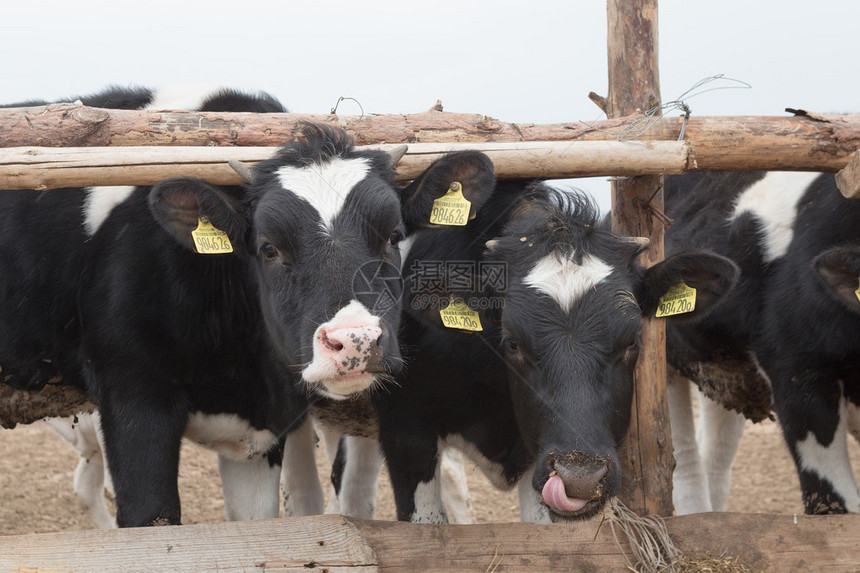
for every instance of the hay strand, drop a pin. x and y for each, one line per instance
(652, 548)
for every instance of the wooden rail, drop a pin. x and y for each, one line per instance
(50, 168)
(333, 543)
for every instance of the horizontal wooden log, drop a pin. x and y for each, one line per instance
(54, 400)
(334, 543)
(49, 168)
(807, 141)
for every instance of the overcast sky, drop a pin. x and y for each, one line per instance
(517, 61)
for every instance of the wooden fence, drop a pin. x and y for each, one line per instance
(42, 150)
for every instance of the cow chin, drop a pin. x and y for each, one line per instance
(591, 508)
(342, 387)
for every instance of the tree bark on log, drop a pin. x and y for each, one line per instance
(808, 141)
(54, 400)
(637, 207)
(50, 168)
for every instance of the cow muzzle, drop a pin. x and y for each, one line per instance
(347, 353)
(576, 486)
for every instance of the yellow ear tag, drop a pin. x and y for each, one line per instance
(857, 292)
(451, 208)
(679, 300)
(210, 241)
(458, 315)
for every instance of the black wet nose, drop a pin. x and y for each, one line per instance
(582, 475)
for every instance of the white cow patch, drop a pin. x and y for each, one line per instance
(428, 502)
(493, 470)
(564, 280)
(229, 435)
(773, 201)
(405, 246)
(99, 203)
(831, 463)
(325, 186)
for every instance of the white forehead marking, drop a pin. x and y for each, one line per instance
(773, 201)
(100, 202)
(325, 186)
(182, 97)
(564, 280)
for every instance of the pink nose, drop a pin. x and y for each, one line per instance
(353, 350)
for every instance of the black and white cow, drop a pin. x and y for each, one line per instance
(790, 330)
(542, 394)
(57, 339)
(113, 294)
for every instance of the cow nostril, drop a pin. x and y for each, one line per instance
(331, 343)
(380, 340)
(582, 480)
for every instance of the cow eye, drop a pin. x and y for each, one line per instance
(395, 237)
(511, 344)
(631, 354)
(269, 250)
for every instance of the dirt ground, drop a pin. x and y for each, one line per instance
(36, 470)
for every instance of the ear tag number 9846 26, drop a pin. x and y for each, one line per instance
(210, 241)
(451, 208)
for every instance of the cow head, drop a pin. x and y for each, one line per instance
(321, 222)
(569, 332)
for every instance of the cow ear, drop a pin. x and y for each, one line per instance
(182, 205)
(712, 276)
(472, 170)
(839, 269)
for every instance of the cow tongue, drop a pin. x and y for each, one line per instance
(554, 496)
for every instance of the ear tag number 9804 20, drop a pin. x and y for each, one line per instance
(451, 208)
(210, 241)
(678, 300)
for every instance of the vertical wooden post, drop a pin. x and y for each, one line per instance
(634, 87)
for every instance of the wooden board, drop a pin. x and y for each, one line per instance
(336, 544)
(50, 168)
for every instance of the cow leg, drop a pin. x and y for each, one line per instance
(300, 481)
(719, 436)
(413, 467)
(455, 488)
(690, 483)
(532, 508)
(336, 458)
(89, 481)
(357, 476)
(142, 434)
(250, 486)
(814, 420)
